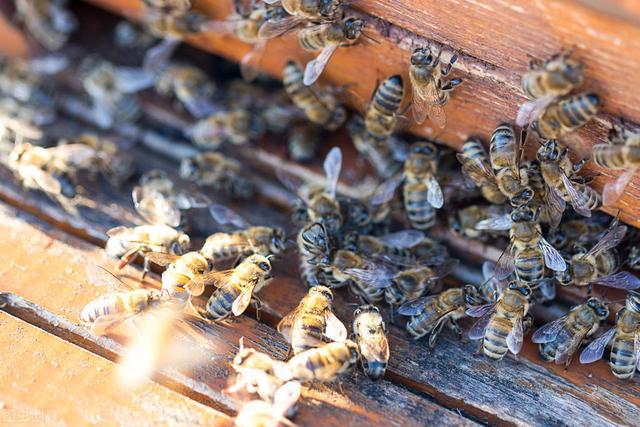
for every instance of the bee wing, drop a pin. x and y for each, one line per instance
(157, 57)
(104, 324)
(315, 67)
(250, 61)
(334, 329)
(415, 307)
(619, 280)
(45, 181)
(200, 107)
(595, 349)
(375, 347)
(434, 193)
(284, 398)
(289, 182)
(555, 206)
(224, 216)
(531, 110)
(477, 166)
(226, 26)
(385, 191)
(613, 191)
(480, 310)
(332, 166)
(133, 79)
(515, 337)
(155, 207)
(552, 257)
(191, 200)
(485, 312)
(636, 348)
(402, 239)
(505, 265)
(276, 27)
(242, 302)
(377, 277)
(610, 240)
(100, 276)
(160, 258)
(565, 350)
(284, 326)
(549, 331)
(425, 103)
(212, 278)
(578, 200)
(497, 223)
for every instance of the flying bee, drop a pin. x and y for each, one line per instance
(49, 22)
(502, 324)
(190, 86)
(266, 241)
(235, 126)
(476, 167)
(505, 155)
(327, 38)
(624, 338)
(622, 152)
(560, 338)
(312, 323)
(320, 106)
(323, 363)
(563, 116)
(556, 77)
(370, 333)
(422, 192)
(381, 115)
(429, 93)
(430, 314)
(218, 172)
(260, 413)
(600, 264)
(528, 252)
(300, 12)
(463, 222)
(236, 287)
(303, 142)
(558, 172)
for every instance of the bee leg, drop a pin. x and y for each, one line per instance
(145, 267)
(451, 84)
(577, 166)
(258, 305)
(457, 329)
(446, 70)
(480, 346)
(128, 258)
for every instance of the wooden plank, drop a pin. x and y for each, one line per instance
(54, 382)
(61, 291)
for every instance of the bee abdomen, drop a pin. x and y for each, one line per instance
(420, 212)
(494, 344)
(312, 39)
(623, 361)
(609, 156)
(220, 303)
(474, 149)
(529, 264)
(420, 325)
(594, 200)
(102, 306)
(388, 97)
(578, 110)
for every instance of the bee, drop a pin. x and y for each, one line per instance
(356, 271)
(320, 107)
(20, 81)
(505, 154)
(312, 323)
(565, 115)
(394, 246)
(560, 338)
(327, 38)
(323, 363)
(266, 241)
(110, 310)
(303, 142)
(300, 11)
(624, 338)
(528, 252)
(260, 413)
(555, 78)
(386, 156)
(463, 221)
(600, 264)
(558, 172)
(381, 115)
(131, 36)
(476, 167)
(421, 190)
(190, 86)
(236, 287)
(581, 231)
(551, 206)
(502, 324)
(429, 314)
(622, 152)
(221, 173)
(370, 333)
(48, 21)
(429, 93)
(235, 126)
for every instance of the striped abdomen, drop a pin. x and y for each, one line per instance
(369, 293)
(567, 115)
(616, 156)
(225, 245)
(308, 331)
(103, 306)
(380, 119)
(502, 148)
(420, 325)
(593, 198)
(494, 343)
(623, 359)
(420, 212)
(529, 264)
(324, 363)
(221, 301)
(304, 97)
(313, 38)
(608, 262)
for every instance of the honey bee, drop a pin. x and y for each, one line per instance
(370, 333)
(393, 246)
(300, 11)
(221, 173)
(502, 324)
(312, 323)
(260, 413)
(381, 115)
(430, 314)
(190, 86)
(422, 192)
(327, 38)
(625, 347)
(386, 156)
(528, 252)
(551, 206)
(266, 241)
(48, 21)
(236, 127)
(323, 363)
(560, 338)
(505, 155)
(558, 172)
(476, 167)
(236, 287)
(463, 221)
(581, 231)
(110, 310)
(303, 142)
(622, 152)
(600, 264)
(563, 116)
(429, 93)
(320, 107)
(556, 77)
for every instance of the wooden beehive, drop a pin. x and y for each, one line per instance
(62, 374)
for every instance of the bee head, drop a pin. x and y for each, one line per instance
(278, 240)
(181, 245)
(524, 214)
(322, 290)
(367, 308)
(422, 56)
(522, 288)
(573, 71)
(471, 295)
(633, 301)
(261, 261)
(424, 148)
(599, 307)
(353, 28)
(549, 151)
(523, 197)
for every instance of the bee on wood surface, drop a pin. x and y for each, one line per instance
(260, 413)
(370, 334)
(430, 314)
(234, 126)
(502, 324)
(236, 287)
(429, 92)
(312, 323)
(624, 338)
(300, 12)
(621, 153)
(319, 105)
(190, 86)
(49, 22)
(381, 115)
(476, 167)
(505, 155)
(323, 363)
(562, 116)
(421, 190)
(560, 338)
(218, 172)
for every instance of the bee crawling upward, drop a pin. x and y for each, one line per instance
(476, 167)
(382, 112)
(422, 192)
(370, 333)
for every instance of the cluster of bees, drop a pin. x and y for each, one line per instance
(378, 245)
